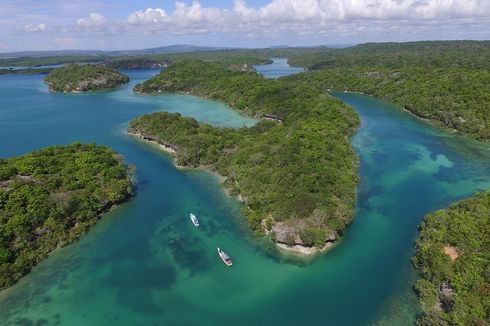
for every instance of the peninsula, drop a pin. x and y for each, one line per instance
(81, 78)
(296, 173)
(50, 197)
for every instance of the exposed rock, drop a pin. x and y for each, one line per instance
(272, 117)
(242, 67)
(446, 297)
(452, 252)
(304, 250)
(163, 145)
(5, 184)
(286, 234)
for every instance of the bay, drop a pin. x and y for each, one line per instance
(145, 263)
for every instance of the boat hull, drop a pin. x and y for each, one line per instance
(194, 219)
(225, 258)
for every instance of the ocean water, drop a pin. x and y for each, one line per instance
(145, 263)
(278, 68)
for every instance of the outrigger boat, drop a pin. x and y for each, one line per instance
(225, 258)
(194, 219)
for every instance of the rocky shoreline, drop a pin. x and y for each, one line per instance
(167, 148)
(303, 250)
(275, 234)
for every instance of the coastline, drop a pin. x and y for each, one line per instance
(405, 108)
(105, 210)
(243, 113)
(163, 147)
(297, 249)
(303, 250)
(432, 122)
(169, 150)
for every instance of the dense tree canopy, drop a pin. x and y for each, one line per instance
(153, 60)
(453, 256)
(454, 98)
(80, 78)
(50, 197)
(30, 71)
(298, 169)
(426, 54)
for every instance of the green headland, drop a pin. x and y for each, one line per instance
(295, 170)
(82, 78)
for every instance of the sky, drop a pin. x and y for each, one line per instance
(133, 24)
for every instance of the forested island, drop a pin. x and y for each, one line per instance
(453, 256)
(82, 78)
(295, 170)
(50, 197)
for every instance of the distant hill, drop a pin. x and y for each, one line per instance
(178, 48)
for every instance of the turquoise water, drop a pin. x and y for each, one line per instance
(278, 68)
(145, 264)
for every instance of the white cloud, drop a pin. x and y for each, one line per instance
(300, 16)
(148, 16)
(95, 22)
(186, 18)
(39, 28)
(297, 17)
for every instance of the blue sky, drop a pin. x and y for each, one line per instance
(125, 24)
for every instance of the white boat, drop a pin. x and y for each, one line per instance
(225, 258)
(194, 219)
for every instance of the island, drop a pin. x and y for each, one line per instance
(51, 197)
(452, 255)
(76, 78)
(295, 173)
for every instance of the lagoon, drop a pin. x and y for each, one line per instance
(278, 68)
(145, 263)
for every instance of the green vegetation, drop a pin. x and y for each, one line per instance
(32, 71)
(148, 60)
(81, 78)
(50, 197)
(432, 54)
(136, 63)
(454, 98)
(297, 173)
(445, 82)
(453, 256)
(196, 144)
(52, 60)
(427, 54)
